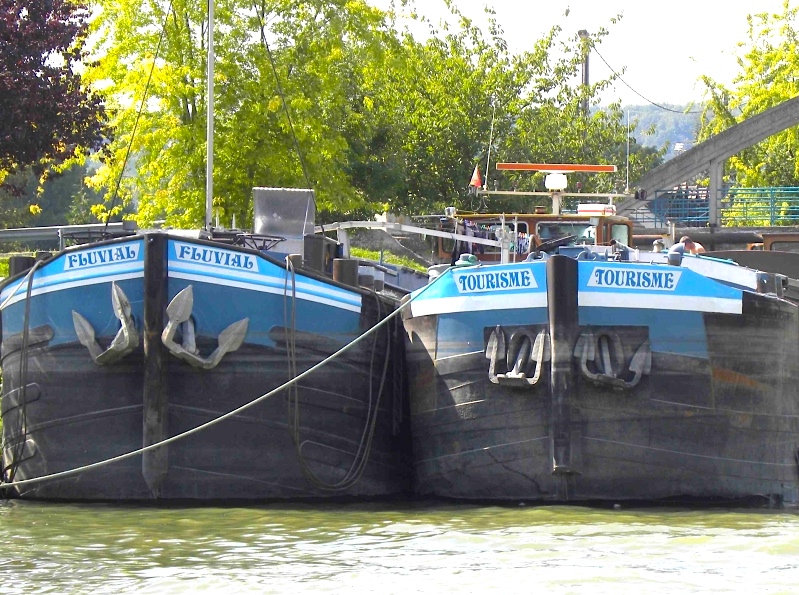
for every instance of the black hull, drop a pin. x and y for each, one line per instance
(342, 434)
(724, 427)
(265, 452)
(70, 423)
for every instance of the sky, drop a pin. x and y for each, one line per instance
(665, 46)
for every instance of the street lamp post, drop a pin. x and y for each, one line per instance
(586, 38)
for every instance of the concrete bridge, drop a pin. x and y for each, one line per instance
(710, 156)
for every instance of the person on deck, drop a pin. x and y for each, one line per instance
(686, 244)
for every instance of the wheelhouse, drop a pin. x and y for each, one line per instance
(529, 233)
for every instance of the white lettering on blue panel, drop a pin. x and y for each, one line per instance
(214, 257)
(648, 279)
(101, 256)
(477, 281)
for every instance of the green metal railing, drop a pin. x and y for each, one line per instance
(738, 207)
(760, 207)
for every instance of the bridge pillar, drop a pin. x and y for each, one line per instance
(716, 174)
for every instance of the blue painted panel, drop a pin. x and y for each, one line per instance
(229, 285)
(628, 285)
(463, 332)
(79, 279)
(484, 287)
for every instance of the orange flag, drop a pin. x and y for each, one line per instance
(477, 181)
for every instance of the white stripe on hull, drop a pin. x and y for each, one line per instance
(474, 303)
(265, 289)
(690, 303)
(42, 290)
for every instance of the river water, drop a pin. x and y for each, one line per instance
(394, 548)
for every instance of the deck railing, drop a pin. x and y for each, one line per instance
(738, 207)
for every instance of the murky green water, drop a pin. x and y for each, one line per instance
(57, 548)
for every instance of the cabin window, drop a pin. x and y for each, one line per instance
(554, 230)
(621, 233)
(785, 246)
(489, 229)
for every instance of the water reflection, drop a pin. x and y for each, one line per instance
(59, 548)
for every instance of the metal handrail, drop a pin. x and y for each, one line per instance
(738, 207)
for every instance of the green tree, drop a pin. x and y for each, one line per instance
(554, 126)
(438, 101)
(46, 113)
(16, 208)
(769, 63)
(381, 120)
(317, 47)
(447, 99)
(62, 198)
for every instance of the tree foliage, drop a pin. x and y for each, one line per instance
(46, 115)
(375, 118)
(318, 49)
(769, 62)
(62, 199)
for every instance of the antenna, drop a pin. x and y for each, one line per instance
(627, 187)
(555, 181)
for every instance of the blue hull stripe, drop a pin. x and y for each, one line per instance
(484, 288)
(269, 280)
(273, 289)
(44, 283)
(65, 281)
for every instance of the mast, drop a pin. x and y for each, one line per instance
(209, 130)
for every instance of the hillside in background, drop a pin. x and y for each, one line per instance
(672, 128)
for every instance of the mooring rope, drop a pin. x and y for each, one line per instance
(21, 437)
(361, 456)
(365, 445)
(224, 416)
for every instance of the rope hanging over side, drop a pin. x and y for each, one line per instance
(234, 412)
(9, 471)
(363, 451)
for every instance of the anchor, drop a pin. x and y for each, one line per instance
(520, 352)
(609, 372)
(179, 313)
(126, 338)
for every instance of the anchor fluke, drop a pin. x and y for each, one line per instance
(179, 313)
(124, 341)
(520, 353)
(495, 351)
(607, 363)
(179, 309)
(85, 332)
